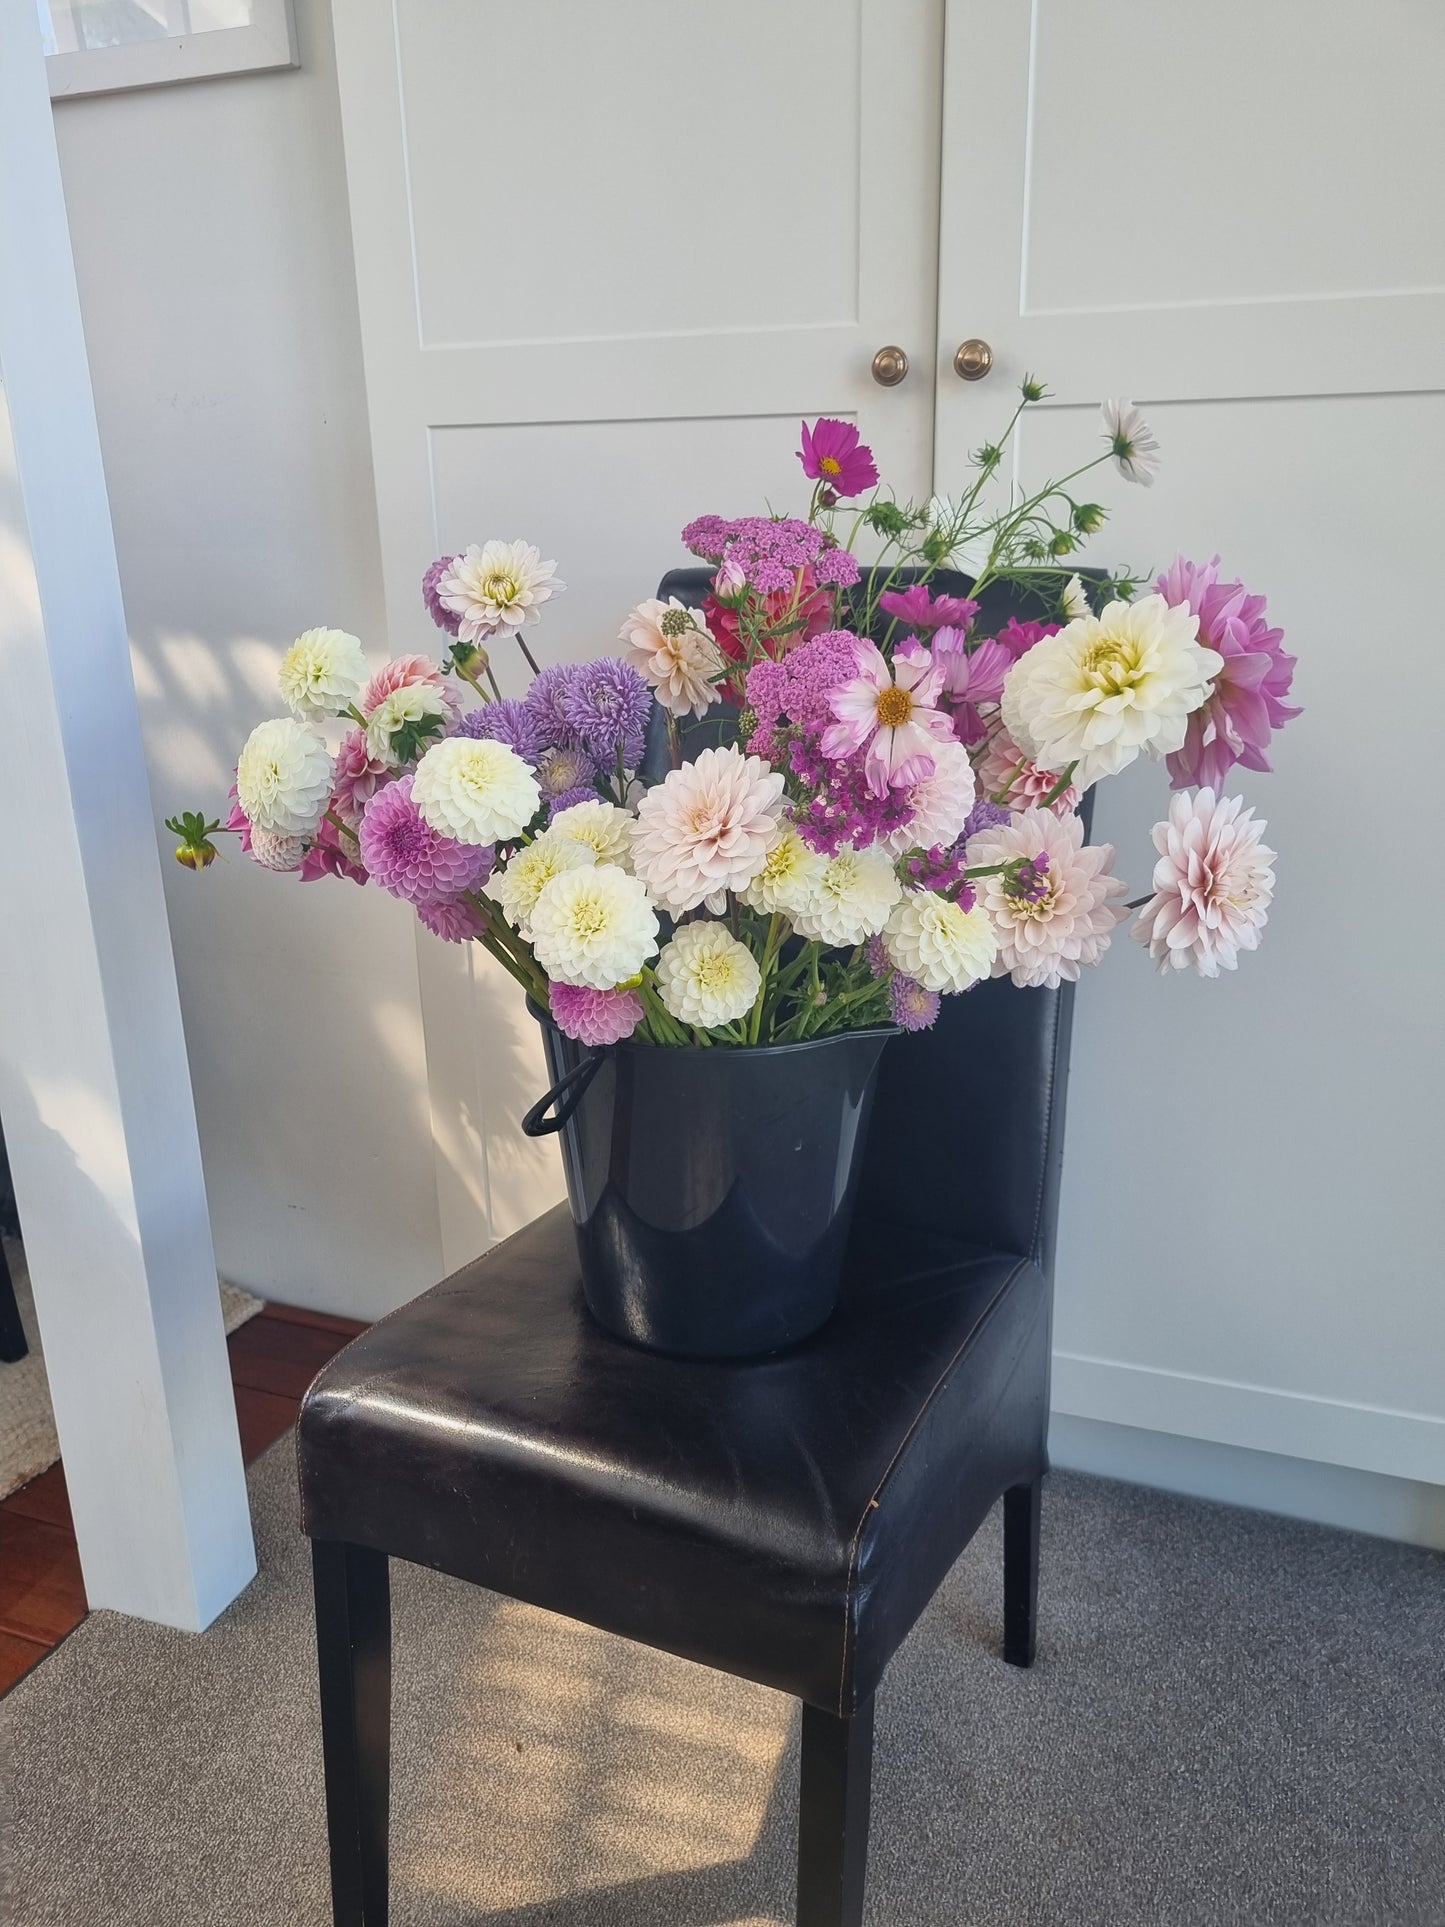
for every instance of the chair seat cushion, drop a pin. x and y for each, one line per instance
(786, 1519)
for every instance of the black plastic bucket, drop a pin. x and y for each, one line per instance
(712, 1188)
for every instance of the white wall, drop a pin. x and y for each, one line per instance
(213, 252)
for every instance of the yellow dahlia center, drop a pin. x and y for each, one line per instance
(589, 918)
(1109, 665)
(714, 971)
(895, 706)
(830, 465)
(500, 588)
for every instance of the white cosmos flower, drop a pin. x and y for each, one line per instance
(1108, 686)
(941, 803)
(501, 586)
(1135, 451)
(1213, 885)
(853, 898)
(602, 826)
(937, 943)
(594, 926)
(789, 878)
(409, 704)
(283, 778)
(322, 673)
(673, 648)
(706, 977)
(1074, 601)
(475, 791)
(518, 887)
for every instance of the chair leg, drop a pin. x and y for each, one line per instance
(353, 1645)
(1021, 1506)
(833, 1817)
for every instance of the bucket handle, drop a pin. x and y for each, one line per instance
(567, 1093)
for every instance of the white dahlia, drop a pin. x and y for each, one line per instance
(499, 587)
(939, 944)
(412, 703)
(673, 648)
(854, 895)
(707, 829)
(275, 852)
(594, 927)
(941, 803)
(283, 778)
(518, 887)
(789, 878)
(475, 791)
(1107, 686)
(1047, 934)
(1213, 885)
(1131, 443)
(706, 977)
(603, 827)
(322, 673)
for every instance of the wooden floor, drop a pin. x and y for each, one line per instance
(273, 1359)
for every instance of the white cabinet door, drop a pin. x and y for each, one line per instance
(607, 256)
(1235, 214)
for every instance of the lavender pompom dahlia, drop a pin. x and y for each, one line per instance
(444, 618)
(407, 857)
(595, 1016)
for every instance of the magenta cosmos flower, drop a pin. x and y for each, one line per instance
(917, 609)
(833, 455)
(891, 718)
(1247, 702)
(970, 677)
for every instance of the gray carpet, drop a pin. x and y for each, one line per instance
(1232, 1719)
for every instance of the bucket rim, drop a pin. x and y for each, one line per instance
(713, 1051)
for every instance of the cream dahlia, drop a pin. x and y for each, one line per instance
(789, 877)
(413, 703)
(322, 673)
(275, 852)
(1107, 686)
(674, 649)
(283, 778)
(706, 977)
(938, 943)
(854, 895)
(1005, 772)
(941, 803)
(594, 926)
(603, 827)
(1047, 934)
(706, 829)
(518, 887)
(475, 791)
(499, 587)
(1213, 885)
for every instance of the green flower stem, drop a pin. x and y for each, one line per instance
(1063, 783)
(770, 951)
(344, 828)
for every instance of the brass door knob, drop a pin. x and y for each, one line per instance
(973, 360)
(890, 365)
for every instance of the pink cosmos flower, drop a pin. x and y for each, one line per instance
(970, 677)
(892, 718)
(1019, 637)
(402, 672)
(1213, 885)
(595, 1016)
(1247, 702)
(915, 608)
(1004, 770)
(833, 454)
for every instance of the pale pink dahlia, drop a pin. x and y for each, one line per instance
(1247, 703)
(453, 922)
(941, 803)
(1213, 885)
(358, 777)
(405, 672)
(706, 829)
(1005, 772)
(595, 1016)
(406, 856)
(891, 715)
(1063, 919)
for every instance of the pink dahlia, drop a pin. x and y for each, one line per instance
(431, 582)
(238, 820)
(454, 922)
(706, 829)
(331, 854)
(915, 608)
(1059, 916)
(1213, 885)
(833, 455)
(595, 1016)
(892, 718)
(940, 803)
(1006, 772)
(358, 777)
(1247, 702)
(970, 677)
(404, 672)
(406, 856)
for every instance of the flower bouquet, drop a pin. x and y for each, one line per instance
(796, 815)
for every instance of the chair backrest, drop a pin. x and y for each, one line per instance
(968, 1121)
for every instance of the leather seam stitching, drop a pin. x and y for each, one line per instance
(899, 1450)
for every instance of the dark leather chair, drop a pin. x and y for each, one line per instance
(784, 1519)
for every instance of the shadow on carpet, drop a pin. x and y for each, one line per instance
(1233, 1719)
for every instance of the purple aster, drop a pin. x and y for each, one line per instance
(917, 609)
(1247, 703)
(406, 856)
(607, 703)
(595, 1016)
(544, 705)
(565, 801)
(912, 1007)
(875, 953)
(509, 722)
(446, 619)
(455, 922)
(985, 815)
(563, 772)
